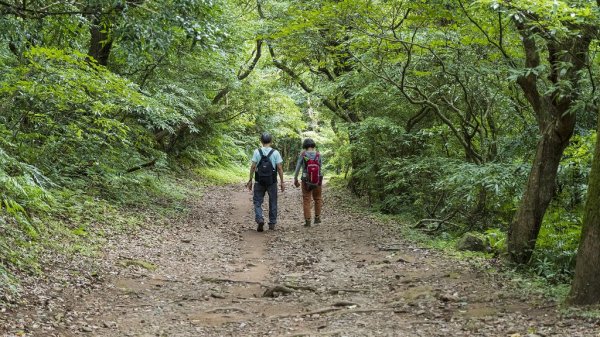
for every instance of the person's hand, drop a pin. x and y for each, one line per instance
(296, 183)
(282, 186)
(249, 185)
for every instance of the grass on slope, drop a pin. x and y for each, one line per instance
(78, 222)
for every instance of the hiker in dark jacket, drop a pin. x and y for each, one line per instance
(310, 162)
(266, 164)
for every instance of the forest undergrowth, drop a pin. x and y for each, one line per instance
(76, 223)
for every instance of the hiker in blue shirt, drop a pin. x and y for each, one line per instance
(266, 164)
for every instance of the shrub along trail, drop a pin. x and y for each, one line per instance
(210, 273)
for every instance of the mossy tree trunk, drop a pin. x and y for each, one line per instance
(586, 283)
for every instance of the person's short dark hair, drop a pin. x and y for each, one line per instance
(266, 138)
(308, 143)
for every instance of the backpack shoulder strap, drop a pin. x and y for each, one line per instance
(270, 153)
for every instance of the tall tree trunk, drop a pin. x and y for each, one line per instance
(586, 283)
(540, 189)
(100, 41)
(556, 124)
(101, 28)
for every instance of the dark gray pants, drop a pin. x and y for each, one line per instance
(259, 197)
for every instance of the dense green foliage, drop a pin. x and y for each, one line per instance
(431, 109)
(78, 135)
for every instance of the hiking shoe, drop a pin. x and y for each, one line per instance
(260, 227)
(317, 220)
(272, 227)
(307, 223)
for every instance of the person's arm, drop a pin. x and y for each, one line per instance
(280, 171)
(297, 171)
(320, 170)
(255, 158)
(252, 169)
(321, 165)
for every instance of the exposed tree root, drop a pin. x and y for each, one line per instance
(344, 304)
(300, 287)
(272, 291)
(227, 280)
(347, 290)
(215, 310)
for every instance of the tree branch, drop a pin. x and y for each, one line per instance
(487, 36)
(242, 74)
(142, 166)
(26, 12)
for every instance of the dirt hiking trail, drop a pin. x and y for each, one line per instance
(211, 274)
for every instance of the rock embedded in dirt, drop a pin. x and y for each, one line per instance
(473, 242)
(448, 297)
(86, 329)
(110, 325)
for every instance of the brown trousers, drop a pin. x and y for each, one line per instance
(306, 200)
